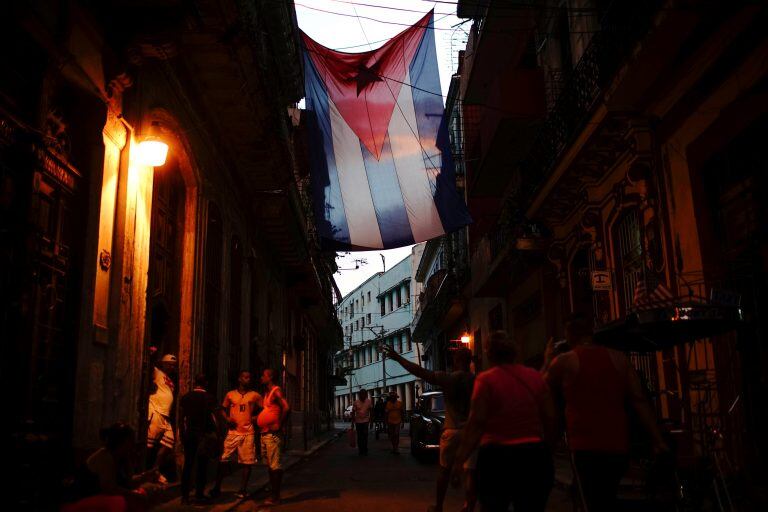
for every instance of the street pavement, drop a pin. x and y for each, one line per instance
(336, 479)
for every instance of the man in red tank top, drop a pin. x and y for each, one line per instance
(598, 385)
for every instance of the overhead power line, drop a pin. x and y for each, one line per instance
(369, 18)
(388, 7)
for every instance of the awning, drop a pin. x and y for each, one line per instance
(656, 329)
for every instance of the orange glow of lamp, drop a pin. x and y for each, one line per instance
(153, 150)
(465, 339)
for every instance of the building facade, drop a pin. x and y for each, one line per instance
(106, 259)
(379, 311)
(442, 272)
(612, 148)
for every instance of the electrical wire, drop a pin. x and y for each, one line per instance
(388, 7)
(508, 114)
(372, 19)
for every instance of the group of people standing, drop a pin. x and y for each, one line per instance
(201, 427)
(503, 424)
(364, 413)
(209, 430)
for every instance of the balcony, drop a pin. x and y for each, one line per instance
(503, 255)
(503, 94)
(440, 303)
(621, 28)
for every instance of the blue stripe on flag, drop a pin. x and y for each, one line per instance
(387, 197)
(431, 127)
(330, 216)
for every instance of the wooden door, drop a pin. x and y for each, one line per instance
(165, 257)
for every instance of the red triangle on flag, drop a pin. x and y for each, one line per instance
(365, 86)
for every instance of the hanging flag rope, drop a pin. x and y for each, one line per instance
(382, 171)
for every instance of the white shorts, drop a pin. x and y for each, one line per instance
(271, 450)
(159, 430)
(450, 441)
(243, 444)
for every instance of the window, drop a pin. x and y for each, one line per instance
(398, 298)
(630, 256)
(369, 319)
(369, 297)
(408, 344)
(389, 301)
(407, 292)
(399, 338)
(381, 301)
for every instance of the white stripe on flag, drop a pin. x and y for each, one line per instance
(355, 192)
(416, 181)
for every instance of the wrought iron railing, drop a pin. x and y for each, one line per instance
(622, 26)
(498, 237)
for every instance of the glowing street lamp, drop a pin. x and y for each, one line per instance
(465, 339)
(153, 150)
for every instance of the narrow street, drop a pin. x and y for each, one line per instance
(534, 225)
(337, 479)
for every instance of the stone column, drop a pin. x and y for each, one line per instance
(408, 397)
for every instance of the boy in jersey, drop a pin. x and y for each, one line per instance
(239, 406)
(159, 430)
(270, 421)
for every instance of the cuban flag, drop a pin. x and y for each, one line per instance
(381, 166)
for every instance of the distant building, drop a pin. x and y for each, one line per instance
(379, 311)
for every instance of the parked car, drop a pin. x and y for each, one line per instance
(347, 414)
(427, 422)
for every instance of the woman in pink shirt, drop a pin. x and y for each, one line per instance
(513, 419)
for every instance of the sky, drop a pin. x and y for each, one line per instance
(351, 31)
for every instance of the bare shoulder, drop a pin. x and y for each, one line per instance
(566, 360)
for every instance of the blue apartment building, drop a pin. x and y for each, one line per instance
(379, 311)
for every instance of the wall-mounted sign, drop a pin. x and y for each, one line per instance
(601, 280)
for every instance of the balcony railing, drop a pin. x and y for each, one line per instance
(622, 26)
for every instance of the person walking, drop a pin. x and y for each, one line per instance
(598, 384)
(159, 430)
(239, 407)
(361, 416)
(378, 415)
(394, 413)
(512, 418)
(457, 391)
(198, 432)
(271, 421)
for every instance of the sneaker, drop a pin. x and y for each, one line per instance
(161, 479)
(271, 502)
(241, 494)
